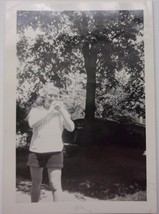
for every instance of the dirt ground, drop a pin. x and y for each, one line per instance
(46, 196)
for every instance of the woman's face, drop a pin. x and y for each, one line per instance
(49, 98)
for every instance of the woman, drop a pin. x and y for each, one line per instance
(47, 120)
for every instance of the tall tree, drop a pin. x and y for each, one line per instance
(95, 43)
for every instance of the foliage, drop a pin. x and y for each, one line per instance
(95, 57)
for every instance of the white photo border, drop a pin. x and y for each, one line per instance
(9, 166)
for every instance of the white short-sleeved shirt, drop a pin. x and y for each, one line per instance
(47, 133)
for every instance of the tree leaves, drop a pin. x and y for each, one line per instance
(51, 47)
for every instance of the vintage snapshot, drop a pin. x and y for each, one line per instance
(79, 110)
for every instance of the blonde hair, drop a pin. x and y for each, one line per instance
(48, 87)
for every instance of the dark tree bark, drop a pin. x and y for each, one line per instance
(90, 58)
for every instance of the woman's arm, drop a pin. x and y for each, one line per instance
(68, 123)
(36, 118)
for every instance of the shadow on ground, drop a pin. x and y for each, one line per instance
(105, 172)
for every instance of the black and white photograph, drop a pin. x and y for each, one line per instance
(92, 63)
(80, 107)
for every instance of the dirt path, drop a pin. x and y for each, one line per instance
(23, 195)
(46, 196)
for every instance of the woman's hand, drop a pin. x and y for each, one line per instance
(57, 105)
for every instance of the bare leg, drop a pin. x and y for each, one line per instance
(55, 183)
(36, 176)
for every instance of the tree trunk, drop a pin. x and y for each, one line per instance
(90, 58)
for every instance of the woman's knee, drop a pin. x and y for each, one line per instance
(55, 184)
(55, 179)
(36, 176)
(36, 182)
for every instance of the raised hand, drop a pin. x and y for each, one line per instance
(57, 105)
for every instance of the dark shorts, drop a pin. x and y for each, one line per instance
(48, 160)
